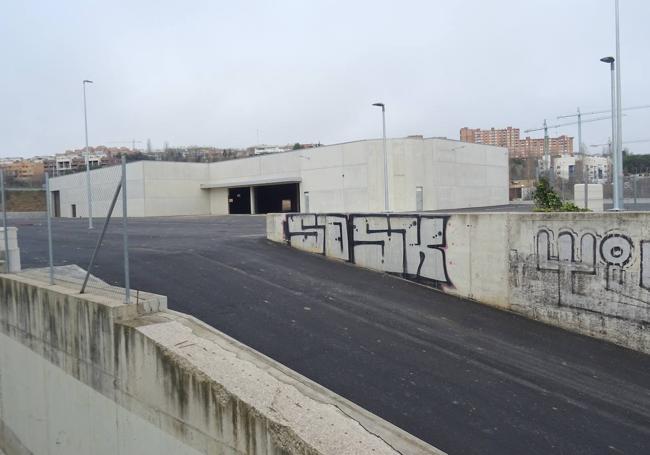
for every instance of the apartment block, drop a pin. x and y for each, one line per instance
(517, 147)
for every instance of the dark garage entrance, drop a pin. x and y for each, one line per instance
(239, 200)
(276, 198)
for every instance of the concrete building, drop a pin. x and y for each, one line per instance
(597, 168)
(565, 167)
(24, 169)
(263, 149)
(424, 174)
(518, 148)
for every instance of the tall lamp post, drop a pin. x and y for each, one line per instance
(615, 156)
(619, 119)
(383, 120)
(90, 204)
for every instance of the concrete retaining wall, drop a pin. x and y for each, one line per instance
(586, 272)
(88, 374)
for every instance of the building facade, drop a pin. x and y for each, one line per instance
(565, 167)
(24, 169)
(424, 174)
(598, 169)
(517, 147)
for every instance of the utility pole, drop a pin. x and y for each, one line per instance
(547, 158)
(585, 169)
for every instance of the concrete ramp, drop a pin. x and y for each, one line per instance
(88, 374)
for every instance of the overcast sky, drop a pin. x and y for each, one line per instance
(217, 72)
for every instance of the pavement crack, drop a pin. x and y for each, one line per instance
(367, 430)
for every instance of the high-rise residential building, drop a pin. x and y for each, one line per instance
(519, 148)
(506, 137)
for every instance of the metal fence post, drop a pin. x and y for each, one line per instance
(48, 204)
(101, 237)
(4, 220)
(125, 234)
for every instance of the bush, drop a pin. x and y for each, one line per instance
(547, 200)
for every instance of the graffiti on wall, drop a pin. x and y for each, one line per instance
(412, 246)
(605, 273)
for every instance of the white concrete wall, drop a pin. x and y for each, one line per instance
(72, 190)
(172, 189)
(468, 175)
(87, 374)
(44, 410)
(350, 177)
(336, 176)
(345, 177)
(219, 201)
(586, 272)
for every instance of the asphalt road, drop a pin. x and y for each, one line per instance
(464, 377)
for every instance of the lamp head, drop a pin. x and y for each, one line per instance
(607, 59)
(86, 81)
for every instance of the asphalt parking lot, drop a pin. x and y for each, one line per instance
(464, 377)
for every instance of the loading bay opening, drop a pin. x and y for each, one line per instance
(264, 199)
(276, 198)
(239, 200)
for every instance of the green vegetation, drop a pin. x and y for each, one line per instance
(635, 164)
(547, 200)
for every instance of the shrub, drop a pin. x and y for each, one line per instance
(547, 200)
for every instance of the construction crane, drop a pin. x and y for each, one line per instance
(132, 142)
(546, 126)
(579, 114)
(638, 141)
(607, 111)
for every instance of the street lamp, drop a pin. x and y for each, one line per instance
(383, 120)
(90, 204)
(619, 117)
(615, 182)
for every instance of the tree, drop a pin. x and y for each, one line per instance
(297, 146)
(634, 164)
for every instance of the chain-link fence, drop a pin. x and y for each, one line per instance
(76, 228)
(566, 172)
(636, 190)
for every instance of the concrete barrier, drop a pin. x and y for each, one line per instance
(14, 251)
(83, 374)
(585, 272)
(595, 196)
